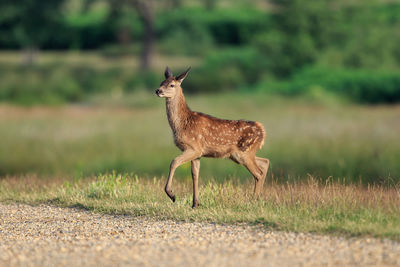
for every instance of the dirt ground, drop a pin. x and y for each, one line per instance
(52, 236)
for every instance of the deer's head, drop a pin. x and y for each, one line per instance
(171, 86)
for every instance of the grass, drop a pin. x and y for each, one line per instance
(130, 133)
(334, 166)
(307, 206)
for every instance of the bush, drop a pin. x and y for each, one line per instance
(187, 39)
(363, 86)
(148, 80)
(226, 26)
(27, 86)
(228, 69)
(55, 84)
(195, 31)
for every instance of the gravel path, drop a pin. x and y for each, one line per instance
(51, 236)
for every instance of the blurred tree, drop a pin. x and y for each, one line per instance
(30, 23)
(175, 3)
(87, 4)
(145, 10)
(210, 4)
(300, 30)
(123, 32)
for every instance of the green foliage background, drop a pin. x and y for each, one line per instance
(278, 46)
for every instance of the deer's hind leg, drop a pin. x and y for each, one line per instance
(195, 177)
(263, 164)
(257, 172)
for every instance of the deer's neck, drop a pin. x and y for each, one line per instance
(178, 112)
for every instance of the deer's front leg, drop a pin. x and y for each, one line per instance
(186, 156)
(195, 176)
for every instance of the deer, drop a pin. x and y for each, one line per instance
(200, 135)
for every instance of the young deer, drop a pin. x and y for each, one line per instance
(201, 135)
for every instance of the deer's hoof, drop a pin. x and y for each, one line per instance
(172, 197)
(170, 194)
(195, 205)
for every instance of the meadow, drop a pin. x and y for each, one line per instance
(130, 133)
(334, 165)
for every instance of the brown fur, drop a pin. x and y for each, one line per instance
(201, 135)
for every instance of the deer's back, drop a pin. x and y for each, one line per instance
(220, 138)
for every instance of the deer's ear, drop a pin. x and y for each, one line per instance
(167, 73)
(182, 76)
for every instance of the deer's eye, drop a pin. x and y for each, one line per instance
(171, 85)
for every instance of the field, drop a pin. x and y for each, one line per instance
(334, 166)
(130, 133)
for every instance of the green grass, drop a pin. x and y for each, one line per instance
(130, 133)
(308, 206)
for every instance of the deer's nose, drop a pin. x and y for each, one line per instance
(158, 91)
